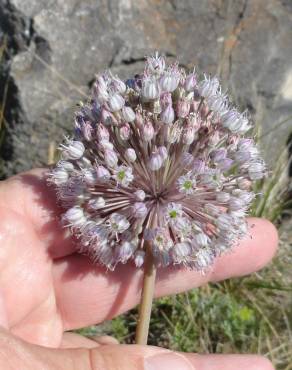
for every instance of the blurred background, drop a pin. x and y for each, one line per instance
(50, 51)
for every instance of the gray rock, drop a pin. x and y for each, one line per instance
(54, 48)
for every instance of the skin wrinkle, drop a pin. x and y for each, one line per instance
(47, 333)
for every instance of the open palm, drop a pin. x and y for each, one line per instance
(46, 288)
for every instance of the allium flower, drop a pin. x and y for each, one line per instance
(159, 161)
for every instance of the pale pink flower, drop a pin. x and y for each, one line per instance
(161, 158)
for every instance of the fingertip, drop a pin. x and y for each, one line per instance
(230, 362)
(265, 233)
(253, 252)
(153, 358)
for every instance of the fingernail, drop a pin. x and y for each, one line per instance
(167, 361)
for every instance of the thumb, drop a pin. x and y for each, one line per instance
(16, 354)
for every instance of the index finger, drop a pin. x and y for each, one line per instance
(88, 294)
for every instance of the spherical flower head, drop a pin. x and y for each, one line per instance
(161, 161)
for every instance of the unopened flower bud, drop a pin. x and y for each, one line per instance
(212, 210)
(224, 222)
(244, 184)
(139, 210)
(256, 170)
(208, 86)
(155, 63)
(107, 118)
(246, 196)
(116, 102)
(125, 251)
(148, 131)
(214, 139)
(139, 258)
(204, 258)
(140, 195)
(100, 90)
(165, 100)
(218, 103)
(235, 122)
(74, 217)
(162, 152)
(68, 166)
(155, 161)
(187, 159)
(96, 203)
(119, 86)
(167, 115)
(190, 82)
(100, 81)
(222, 197)
(102, 132)
(89, 176)
(182, 108)
(225, 164)
(236, 204)
(139, 121)
(201, 240)
(242, 156)
(105, 144)
(150, 88)
(130, 154)
(102, 173)
(173, 133)
(59, 176)
(218, 155)
(180, 251)
(188, 136)
(118, 222)
(86, 130)
(74, 150)
(125, 131)
(169, 81)
(128, 114)
(199, 166)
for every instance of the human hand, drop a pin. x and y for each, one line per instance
(46, 289)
